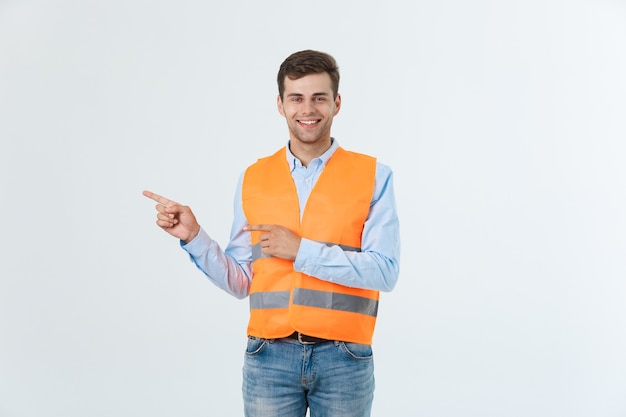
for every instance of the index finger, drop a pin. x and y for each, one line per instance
(159, 198)
(258, 227)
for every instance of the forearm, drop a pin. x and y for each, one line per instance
(221, 267)
(370, 270)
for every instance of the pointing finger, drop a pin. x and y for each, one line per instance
(159, 198)
(258, 228)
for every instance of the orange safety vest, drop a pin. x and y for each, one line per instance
(283, 300)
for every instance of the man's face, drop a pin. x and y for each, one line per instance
(309, 108)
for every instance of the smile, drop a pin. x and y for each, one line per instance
(308, 122)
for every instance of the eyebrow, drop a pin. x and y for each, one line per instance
(314, 94)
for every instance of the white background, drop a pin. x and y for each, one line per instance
(504, 122)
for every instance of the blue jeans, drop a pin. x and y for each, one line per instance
(282, 378)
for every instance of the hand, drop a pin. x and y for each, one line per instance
(177, 220)
(277, 240)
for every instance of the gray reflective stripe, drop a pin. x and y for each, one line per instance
(335, 301)
(262, 300)
(257, 252)
(344, 247)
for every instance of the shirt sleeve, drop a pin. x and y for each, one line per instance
(376, 266)
(229, 269)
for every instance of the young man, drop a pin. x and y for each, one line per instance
(315, 238)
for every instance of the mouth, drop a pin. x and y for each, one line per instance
(308, 123)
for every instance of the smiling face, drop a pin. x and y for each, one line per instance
(309, 107)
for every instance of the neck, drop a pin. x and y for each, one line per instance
(305, 152)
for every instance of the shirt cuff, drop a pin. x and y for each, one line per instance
(309, 251)
(198, 245)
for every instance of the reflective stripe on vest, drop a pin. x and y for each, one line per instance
(314, 298)
(265, 300)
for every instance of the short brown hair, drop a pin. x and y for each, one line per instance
(302, 63)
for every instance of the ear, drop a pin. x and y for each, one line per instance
(279, 104)
(337, 103)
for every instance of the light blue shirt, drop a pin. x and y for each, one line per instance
(375, 267)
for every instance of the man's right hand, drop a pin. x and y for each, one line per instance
(176, 219)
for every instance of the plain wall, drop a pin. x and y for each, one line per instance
(504, 124)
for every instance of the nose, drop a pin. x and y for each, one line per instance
(307, 107)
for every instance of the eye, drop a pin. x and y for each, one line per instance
(296, 99)
(320, 98)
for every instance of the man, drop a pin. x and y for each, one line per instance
(315, 238)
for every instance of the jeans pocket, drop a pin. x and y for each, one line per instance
(356, 350)
(255, 345)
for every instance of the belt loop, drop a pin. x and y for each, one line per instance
(302, 341)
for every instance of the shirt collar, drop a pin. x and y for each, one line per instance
(324, 158)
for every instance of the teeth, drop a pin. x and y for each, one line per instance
(308, 122)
